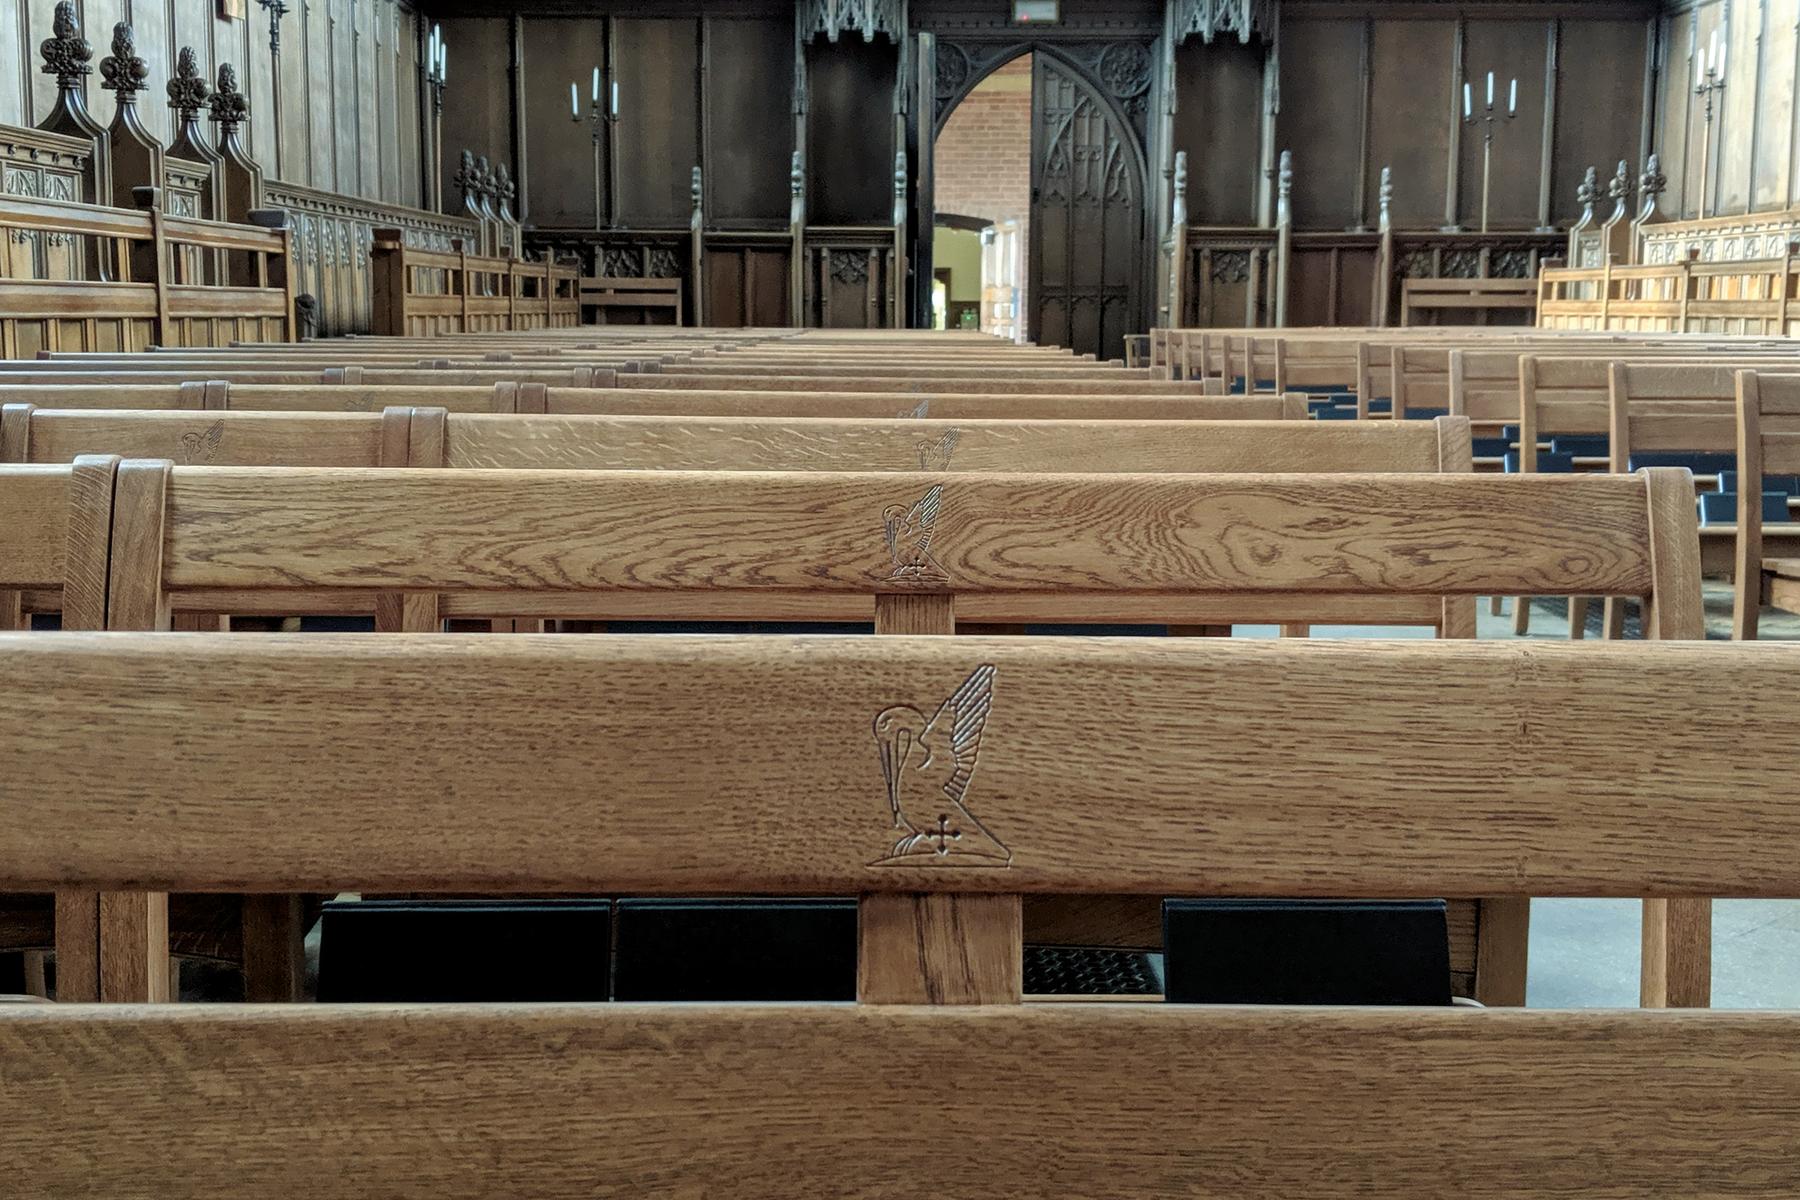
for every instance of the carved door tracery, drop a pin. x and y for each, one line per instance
(1087, 217)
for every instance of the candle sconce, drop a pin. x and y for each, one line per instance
(1487, 115)
(437, 62)
(603, 122)
(1709, 81)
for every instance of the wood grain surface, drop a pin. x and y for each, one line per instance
(219, 762)
(550, 530)
(847, 1101)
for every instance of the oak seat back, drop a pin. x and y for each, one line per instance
(298, 785)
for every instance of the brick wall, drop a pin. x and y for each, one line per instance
(983, 155)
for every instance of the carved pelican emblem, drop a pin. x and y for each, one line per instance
(928, 766)
(909, 532)
(200, 447)
(935, 456)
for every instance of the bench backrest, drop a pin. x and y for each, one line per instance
(631, 400)
(325, 758)
(537, 543)
(431, 437)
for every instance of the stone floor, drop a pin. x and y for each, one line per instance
(1585, 952)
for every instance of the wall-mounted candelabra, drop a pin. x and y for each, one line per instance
(1487, 115)
(276, 9)
(437, 69)
(1709, 81)
(603, 121)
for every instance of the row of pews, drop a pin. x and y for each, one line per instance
(194, 794)
(1560, 402)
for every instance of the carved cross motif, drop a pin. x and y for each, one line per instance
(123, 71)
(942, 835)
(66, 52)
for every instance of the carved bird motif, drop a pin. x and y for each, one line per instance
(909, 534)
(917, 412)
(935, 456)
(928, 765)
(200, 447)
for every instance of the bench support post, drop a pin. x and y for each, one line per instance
(1677, 934)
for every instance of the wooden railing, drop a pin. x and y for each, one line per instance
(1742, 297)
(138, 286)
(421, 292)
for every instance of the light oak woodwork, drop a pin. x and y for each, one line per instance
(297, 784)
(1115, 1100)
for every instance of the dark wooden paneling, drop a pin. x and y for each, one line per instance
(559, 151)
(1218, 124)
(1320, 119)
(1510, 49)
(478, 100)
(747, 285)
(849, 133)
(657, 62)
(750, 124)
(1599, 111)
(1410, 117)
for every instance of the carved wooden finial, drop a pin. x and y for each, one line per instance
(1653, 183)
(230, 108)
(696, 186)
(1620, 186)
(187, 88)
(1385, 198)
(1589, 191)
(796, 176)
(65, 52)
(123, 71)
(1285, 177)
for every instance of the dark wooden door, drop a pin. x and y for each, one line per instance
(1087, 218)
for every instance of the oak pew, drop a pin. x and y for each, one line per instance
(675, 545)
(298, 786)
(537, 398)
(1768, 443)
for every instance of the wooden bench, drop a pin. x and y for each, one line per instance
(1482, 297)
(1768, 415)
(298, 784)
(540, 398)
(240, 540)
(644, 301)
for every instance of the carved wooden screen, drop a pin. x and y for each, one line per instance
(1087, 218)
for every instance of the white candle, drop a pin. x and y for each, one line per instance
(1490, 100)
(595, 97)
(1724, 49)
(1512, 99)
(436, 35)
(614, 99)
(1712, 58)
(443, 62)
(574, 103)
(1467, 111)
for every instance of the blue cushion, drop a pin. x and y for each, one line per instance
(1426, 414)
(1510, 432)
(1490, 447)
(1547, 463)
(1587, 445)
(1382, 405)
(1720, 508)
(1315, 407)
(1334, 413)
(1699, 464)
(1787, 485)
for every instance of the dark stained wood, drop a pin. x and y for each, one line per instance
(1220, 86)
(1598, 121)
(657, 63)
(1320, 119)
(559, 152)
(849, 132)
(1087, 226)
(749, 119)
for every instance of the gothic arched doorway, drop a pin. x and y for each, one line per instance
(1087, 254)
(1087, 217)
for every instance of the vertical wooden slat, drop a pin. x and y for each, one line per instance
(1746, 609)
(274, 948)
(1677, 934)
